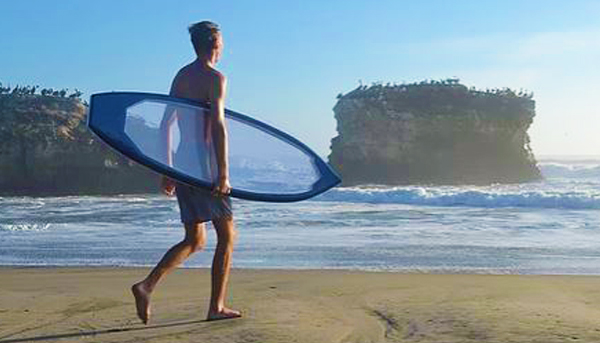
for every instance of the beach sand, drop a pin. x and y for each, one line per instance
(94, 305)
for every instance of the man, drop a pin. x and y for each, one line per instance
(200, 81)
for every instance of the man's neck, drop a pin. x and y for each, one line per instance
(205, 62)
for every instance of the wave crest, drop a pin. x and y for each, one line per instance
(454, 196)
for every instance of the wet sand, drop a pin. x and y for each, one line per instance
(95, 305)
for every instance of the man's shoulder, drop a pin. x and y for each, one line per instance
(216, 76)
(188, 71)
(184, 71)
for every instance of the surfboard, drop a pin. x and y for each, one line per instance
(173, 137)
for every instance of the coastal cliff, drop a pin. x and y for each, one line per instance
(46, 149)
(433, 133)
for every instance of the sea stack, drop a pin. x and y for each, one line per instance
(46, 149)
(434, 132)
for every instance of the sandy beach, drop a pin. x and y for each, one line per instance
(94, 305)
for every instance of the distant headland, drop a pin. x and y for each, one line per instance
(433, 132)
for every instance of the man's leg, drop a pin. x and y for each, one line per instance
(195, 239)
(221, 266)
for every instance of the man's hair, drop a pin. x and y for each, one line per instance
(204, 36)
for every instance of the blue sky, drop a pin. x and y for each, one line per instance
(286, 61)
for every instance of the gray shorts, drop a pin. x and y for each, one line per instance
(198, 205)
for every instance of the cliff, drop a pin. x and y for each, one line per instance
(46, 149)
(433, 133)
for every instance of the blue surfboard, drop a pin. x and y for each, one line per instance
(172, 136)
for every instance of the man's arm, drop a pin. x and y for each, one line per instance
(217, 115)
(167, 185)
(167, 121)
(165, 132)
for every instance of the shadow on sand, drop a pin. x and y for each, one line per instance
(100, 332)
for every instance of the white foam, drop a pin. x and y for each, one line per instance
(465, 196)
(24, 227)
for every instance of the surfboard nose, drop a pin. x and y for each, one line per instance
(106, 108)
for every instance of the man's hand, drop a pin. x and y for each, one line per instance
(167, 186)
(222, 187)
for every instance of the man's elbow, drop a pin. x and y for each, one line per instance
(220, 127)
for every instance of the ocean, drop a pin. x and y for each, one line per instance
(546, 227)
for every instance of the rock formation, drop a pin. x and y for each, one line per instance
(433, 133)
(46, 149)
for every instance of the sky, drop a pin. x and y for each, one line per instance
(287, 60)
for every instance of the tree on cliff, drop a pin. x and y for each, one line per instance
(31, 90)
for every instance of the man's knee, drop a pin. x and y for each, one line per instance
(195, 237)
(227, 234)
(232, 236)
(196, 243)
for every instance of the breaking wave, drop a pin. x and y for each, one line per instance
(454, 196)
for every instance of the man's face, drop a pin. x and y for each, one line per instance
(219, 50)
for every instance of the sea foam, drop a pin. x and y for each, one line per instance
(472, 197)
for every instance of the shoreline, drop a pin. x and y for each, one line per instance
(80, 303)
(405, 271)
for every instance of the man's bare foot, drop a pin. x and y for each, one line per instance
(142, 301)
(225, 313)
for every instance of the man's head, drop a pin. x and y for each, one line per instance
(206, 39)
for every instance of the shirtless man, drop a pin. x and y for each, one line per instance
(200, 81)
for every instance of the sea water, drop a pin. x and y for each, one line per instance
(546, 227)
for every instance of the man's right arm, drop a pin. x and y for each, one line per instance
(217, 114)
(167, 185)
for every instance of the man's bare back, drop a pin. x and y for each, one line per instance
(196, 82)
